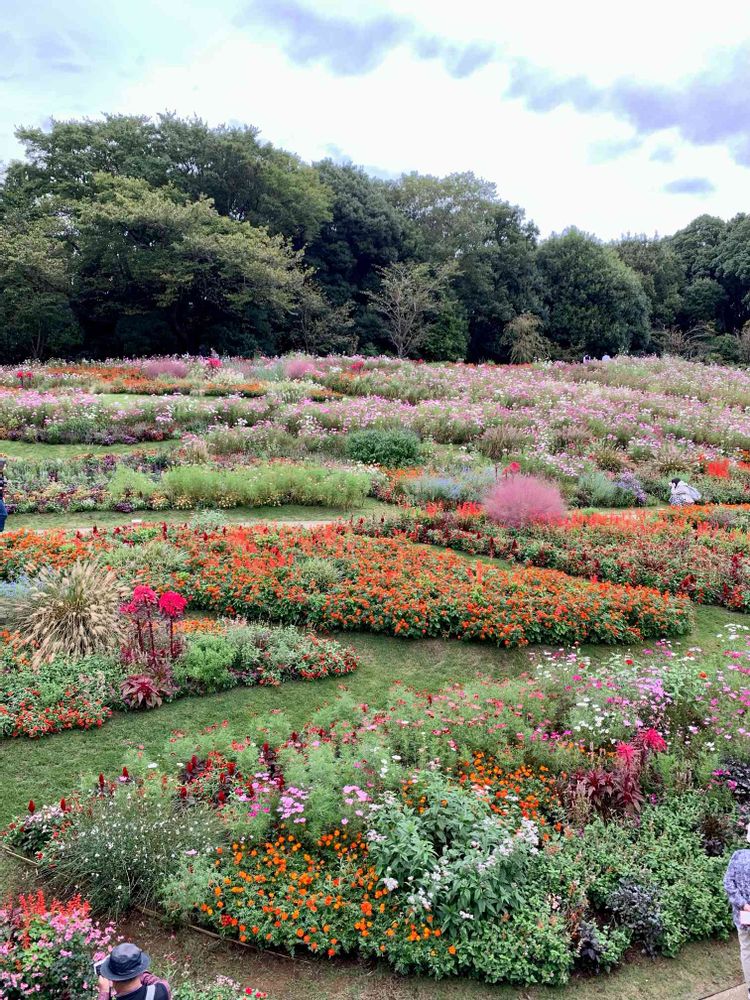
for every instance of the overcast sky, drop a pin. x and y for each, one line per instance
(612, 117)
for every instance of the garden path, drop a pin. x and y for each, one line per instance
(738, 993)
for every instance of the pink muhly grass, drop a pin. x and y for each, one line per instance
(298, 368)
(520, 500)
(165, 366)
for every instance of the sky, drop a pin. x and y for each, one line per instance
(614, 118)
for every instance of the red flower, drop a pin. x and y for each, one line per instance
(144, 595)
(653, 740)
(626, 752)
(172, 604)
(32, 807)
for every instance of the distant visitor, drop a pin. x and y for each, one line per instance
(3, 514)
(737, 885)
(681, 494)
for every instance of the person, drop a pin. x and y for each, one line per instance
(3, 514)
(737, 885)
(124, 974)
(680, 494)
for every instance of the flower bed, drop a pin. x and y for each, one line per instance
(330, 578)
(700, 552)
(512, 831)
(621, 423)
(204, 657)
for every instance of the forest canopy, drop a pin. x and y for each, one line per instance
(133, 235)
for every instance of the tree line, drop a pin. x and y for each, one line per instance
(131, 235)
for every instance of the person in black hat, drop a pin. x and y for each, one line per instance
(124, 974)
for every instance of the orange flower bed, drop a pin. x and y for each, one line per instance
(385, 585)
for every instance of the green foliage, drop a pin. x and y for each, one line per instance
(204, 667)
(524, 338)
(394, 449)
(594, 302)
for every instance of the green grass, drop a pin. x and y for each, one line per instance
(238, 515)
(38, 451)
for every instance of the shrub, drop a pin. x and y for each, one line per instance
(637, 906)
(70, 612)
(208, 520)
(120, 849)
(395, 449)
(129, 482)
(594, 489)
(205, 664)
(521, 500)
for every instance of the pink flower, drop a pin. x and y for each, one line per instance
(172, 604)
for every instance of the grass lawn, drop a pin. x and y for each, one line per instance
(37, 450)
(238, 515)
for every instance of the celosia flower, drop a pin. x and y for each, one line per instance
(172, 604)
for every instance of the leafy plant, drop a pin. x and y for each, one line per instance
(393, 449)
(637, 907)
(142, 691)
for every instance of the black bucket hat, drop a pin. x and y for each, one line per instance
(125, 962)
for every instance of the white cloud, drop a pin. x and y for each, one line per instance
(409, 113)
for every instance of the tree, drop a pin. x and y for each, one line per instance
(322, 328)
(660, 272)
(248, 180)
(524, 338)
(408, 297)
(499, 280)
(144, 251)
(732, 267)
(702, 302)
(450, 215)
(365, 233)
(448, 336)
(595, 304)
(35, 313)
(696, 246)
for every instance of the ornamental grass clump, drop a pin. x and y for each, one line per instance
(517, 501)
(69, 612)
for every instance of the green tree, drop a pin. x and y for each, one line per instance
(660, 272)
(35, 313)
(449, 215)
(409, 299)
(499, 280)
(448, 336)
(365, 233)
(595, 304)
(144, 251)
(525, 341)
(248, 180)
(732, 267)
(321, 328)
(696, 246)
(702, 302)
